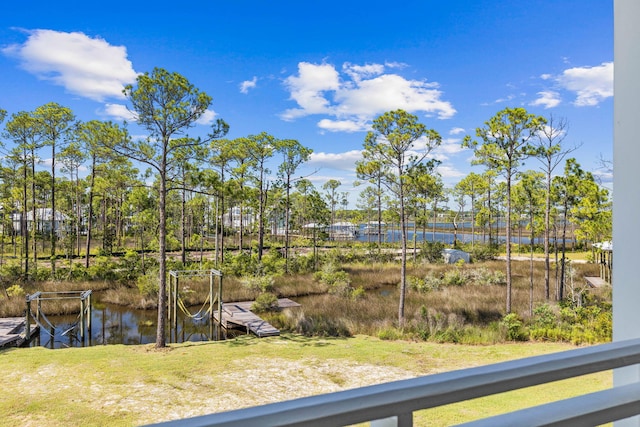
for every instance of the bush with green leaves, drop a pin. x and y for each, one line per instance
(336, 279)
(301, 264)
(258, 283)
(544, 316)
(273, 262)
(513, 327)
(11, 271)
(15, 291)
(103, 268)
(485, 277)
(357, 293)
(264, 302)
(454, 277)
(240, 264)
(130, 264)
(75, 272)
(148, 284)
(432, 251)
(483, 252)
(423, 285)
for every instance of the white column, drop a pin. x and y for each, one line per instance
(626, 188)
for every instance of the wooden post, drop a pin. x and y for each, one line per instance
(27, 326)
(220, 299)
(211, 294)
(82, 320)
(169, 297)
(175, 305)
(89, 316)
(39, 309)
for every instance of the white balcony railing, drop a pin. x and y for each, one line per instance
(393, 404)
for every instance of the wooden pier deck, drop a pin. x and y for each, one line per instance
(239, 314)
(12, 330)
(595, 281)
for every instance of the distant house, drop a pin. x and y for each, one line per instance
(343, 231)
(232, 219)
(44, 223)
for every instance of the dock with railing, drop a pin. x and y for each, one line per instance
(12, 331)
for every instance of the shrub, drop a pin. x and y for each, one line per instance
(103, 268)
(15, 291)
(455, 277)
(357, 293)
(337, 280)
(513, 327)
(258, 283)
(272, 262)
(428, 284)
(130, 263)
(149, 283)
(11, 271)
(265, 302)
(485, 277)
(42, 274)
(240, 264)
(302, 264)
(482, 252)
(432, 251)
(544, 316)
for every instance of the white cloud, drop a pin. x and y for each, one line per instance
(456, 131)
(506, 99)
(362, 93)
(207, 117)
(120, 112)
(341, 161)
(592, 85)
(85, 66)
(248, 84)
(390, 92)
(552, 132)
(358, 72)
(308, 87)
(342, 125)
(449, 146)
(449, 172)
(547, 99)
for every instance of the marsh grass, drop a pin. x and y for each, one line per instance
(463, 303)
(465, 312)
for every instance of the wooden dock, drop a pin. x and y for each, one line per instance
(595, 281)
(239, 314)
(12, 330)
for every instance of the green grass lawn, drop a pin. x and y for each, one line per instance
(132, 385)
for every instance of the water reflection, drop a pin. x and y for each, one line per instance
(113, 324)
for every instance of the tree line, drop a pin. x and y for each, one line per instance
(191, 184)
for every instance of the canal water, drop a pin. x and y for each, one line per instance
(114, 324)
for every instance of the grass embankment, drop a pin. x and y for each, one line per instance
(132, 385)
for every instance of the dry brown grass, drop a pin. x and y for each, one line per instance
(472, 304)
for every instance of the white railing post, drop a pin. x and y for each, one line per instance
(626, 196)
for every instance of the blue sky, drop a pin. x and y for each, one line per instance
(319, 72)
